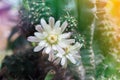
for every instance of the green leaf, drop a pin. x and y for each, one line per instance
(49, 76)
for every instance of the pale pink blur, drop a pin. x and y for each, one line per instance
(8, 20)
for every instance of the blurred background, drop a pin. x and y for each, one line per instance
(98, 22)
(8, 19)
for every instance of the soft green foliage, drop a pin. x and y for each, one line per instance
(57, 7)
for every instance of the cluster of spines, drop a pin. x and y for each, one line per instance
(37, 11)
(30, 15)
(72, 22)
(78, 38)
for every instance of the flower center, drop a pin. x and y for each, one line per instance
(66, 50)
(52, 39)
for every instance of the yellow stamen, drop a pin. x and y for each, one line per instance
(67, 49)
(52, 39)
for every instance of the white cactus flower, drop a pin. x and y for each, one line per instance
(71, 54)
(51, 37)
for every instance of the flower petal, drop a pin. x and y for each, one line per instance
(59, 55)
(64, 62)
(42, 43)
(77, 46)
(45, 26)
(38, 48)
(33, 39)
(57, 24)
(64, 25)
(71, 58)
(57, 30)
(51, 57)
(39, 35)
(48, 49)
(43, 23)
(69, 41)
(65, 35)
(60, 50)
(39, 28)
(51, 21)
(54, 47)
(62, 44)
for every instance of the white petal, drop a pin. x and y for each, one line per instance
(63, 61)
(69, 41)
(39, 28)
(38, 48)
(42, 43)
(57, 30)
(54, 47)
(71, 58)
(45, 26)
(47, 44)
(60, 50)
(57, 24)
(73, 51)
(59, 55)
(51, 57)
(33, 39)
(43, 23)
(77, 56)
(64, 25)
(62, 44)
(39, 35)
(45, 34)
(51, 21)
(65, 35)
(48, 29)
(77, 46)
(48, 49)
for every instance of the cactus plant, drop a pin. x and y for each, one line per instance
(91, 24)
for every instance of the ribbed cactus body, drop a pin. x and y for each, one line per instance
(106, 33)
(87, 21)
